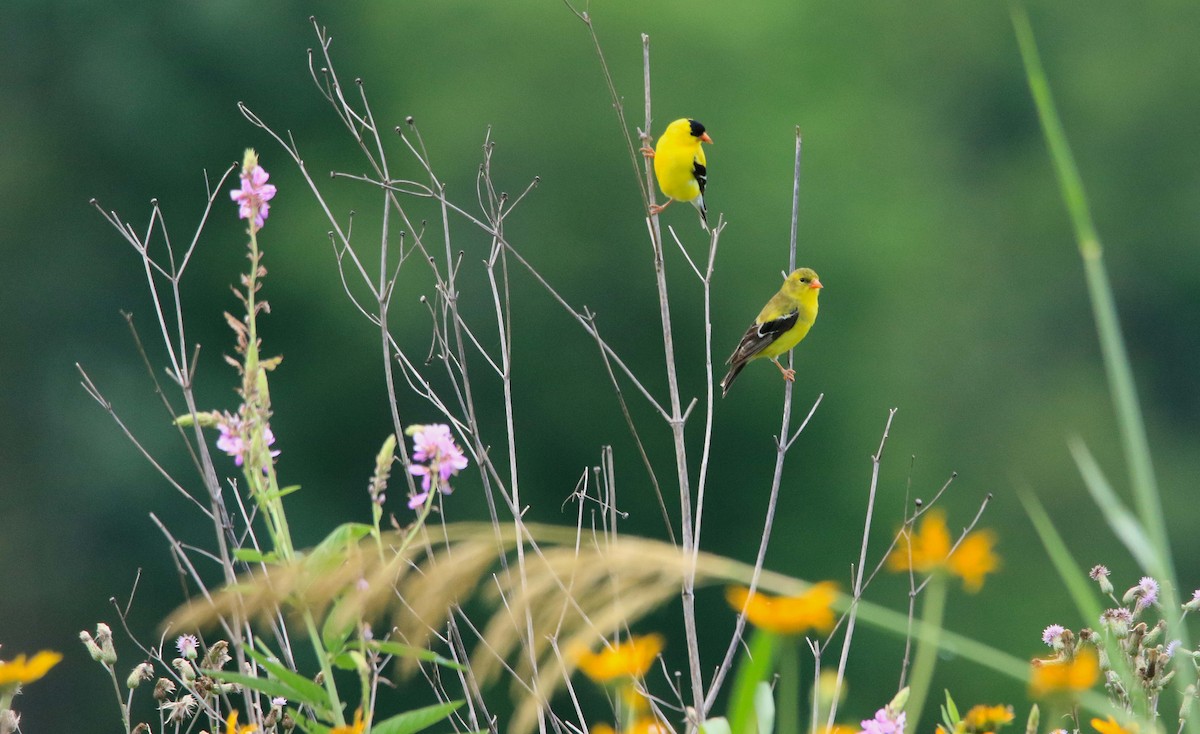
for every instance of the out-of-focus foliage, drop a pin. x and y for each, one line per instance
(953, 289)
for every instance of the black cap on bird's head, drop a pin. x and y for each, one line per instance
(698, 130)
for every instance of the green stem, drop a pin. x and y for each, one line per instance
(257, 394)
(756, 665)
(787, 707)
(335, 701)
(933, 612)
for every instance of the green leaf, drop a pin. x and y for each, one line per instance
(270, 687)
(417, 719)
(950, 717)
(307, 725)
(335, 631)
(401, 650)
(302, 689)
(344, 661)
(756, 665)
(342, 536)
(718, 725)
(253, 555)
(764, 708)
(330, 551)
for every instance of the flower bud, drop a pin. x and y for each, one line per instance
(92, 648)
(108, 653)
(141, 672)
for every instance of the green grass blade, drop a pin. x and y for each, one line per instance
(1116, 359)
(1123, 522)
(1073, 576)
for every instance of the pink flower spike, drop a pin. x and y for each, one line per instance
(420, 470)
(254, 193)
(434, 455)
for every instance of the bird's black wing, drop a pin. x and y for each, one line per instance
(758, 336)
(700, 171)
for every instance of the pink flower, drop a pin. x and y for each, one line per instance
(233, 442)
(254, 194)
(442, 458)
(885, 722)
(188, 646)
(1052, 635)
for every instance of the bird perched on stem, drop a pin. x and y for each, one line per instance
(781, 324)
(680, 166)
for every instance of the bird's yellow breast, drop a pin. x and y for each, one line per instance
(674, 162)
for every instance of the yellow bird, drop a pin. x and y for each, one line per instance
(781, 325)
(680, 166)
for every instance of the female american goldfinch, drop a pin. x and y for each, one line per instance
(679, 165)
(782, 323)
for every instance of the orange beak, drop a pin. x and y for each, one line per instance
(705, 138)
(816, 283)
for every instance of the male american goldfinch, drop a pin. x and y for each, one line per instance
(679, 165)
(782, 323)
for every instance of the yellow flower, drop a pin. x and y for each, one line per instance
(787, 615)
(20, 671)
(843, 729)
(629, 659)
(974, 559)
(928, 549)
(1112, 727)
(355, 728)
(1050, 676)
(231, 726)
(983, 718)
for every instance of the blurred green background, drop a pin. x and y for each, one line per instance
(953, 289)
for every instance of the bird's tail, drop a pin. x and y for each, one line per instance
(734, 371)
(698, 202)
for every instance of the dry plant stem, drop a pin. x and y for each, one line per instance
(648, 186)
(876, 460)
(710, 394)
(501, 306)
(633, 431)
(755, 575)
(179, 373)
(815, 649)
(782, 444)
(676, 422)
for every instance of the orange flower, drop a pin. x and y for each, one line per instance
(928, 549)
(629, 659)
(787, 615)
(1112, 727)
(1051, 676)
(231, 725)
(355, 728)
(643, 725)
(19, 671)
(983, 718)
